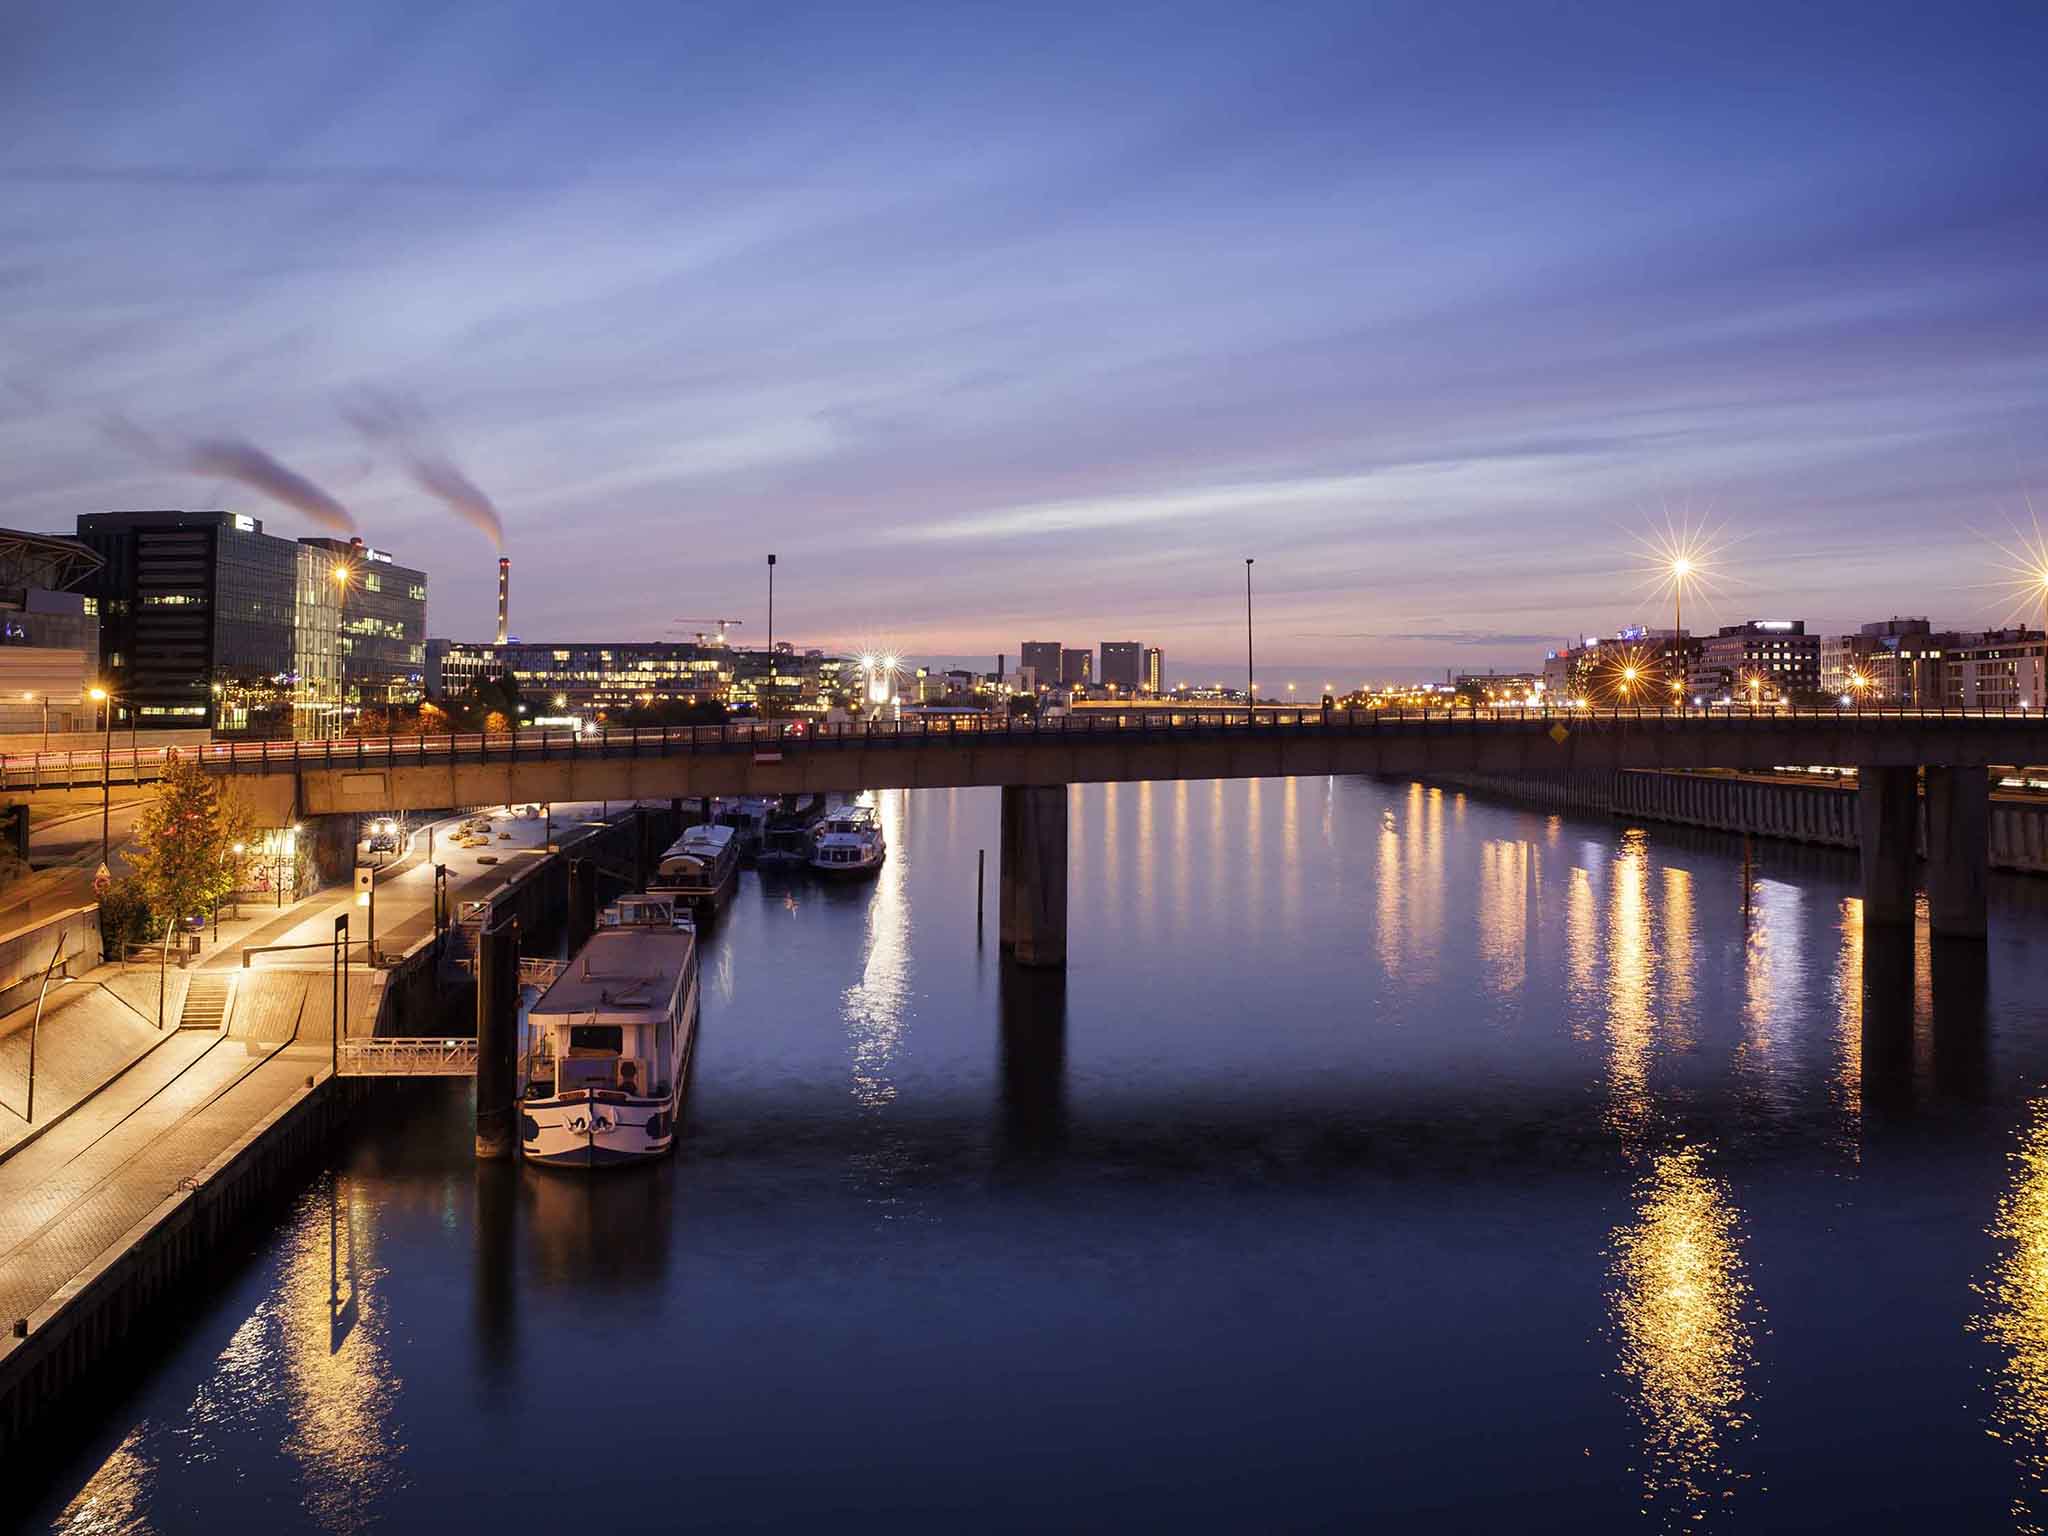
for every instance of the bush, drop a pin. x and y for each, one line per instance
(124, 918)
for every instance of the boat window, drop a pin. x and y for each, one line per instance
(595, 1037)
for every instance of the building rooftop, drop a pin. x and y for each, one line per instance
(622, 976)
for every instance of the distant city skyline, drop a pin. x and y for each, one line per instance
(1042, 322)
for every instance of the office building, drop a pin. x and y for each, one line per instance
(1901, 663)
(1153, 680)
(1076, 668)
(49, 633)
(1764, 660)
(1041, 658)
(1999, 669)
(589, 679)
(206, 620)
(383, 617)
(1123, 665)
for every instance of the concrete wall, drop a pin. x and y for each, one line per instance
(93, 1315)
(25, 953)
(1820, 814)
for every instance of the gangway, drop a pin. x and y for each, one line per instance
(403, 1056)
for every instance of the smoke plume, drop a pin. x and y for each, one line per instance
(400, 425)
(238, 459)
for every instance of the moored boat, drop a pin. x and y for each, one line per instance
(850, 842)
(608, 1046)
(699, 869)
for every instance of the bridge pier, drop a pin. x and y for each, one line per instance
(334, 845)
(497, 1041)
(1032, 882)
(1958, 851)
(1888, 816)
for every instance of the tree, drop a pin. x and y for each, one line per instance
(185, 861)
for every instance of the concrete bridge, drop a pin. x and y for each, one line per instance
(1033, 761)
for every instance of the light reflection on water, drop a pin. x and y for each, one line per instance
(1686, 1320)
(2014, 1318)
(1438, 1160)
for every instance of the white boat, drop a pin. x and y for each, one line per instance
(700, 868)
(849, 842)
(607, 1047)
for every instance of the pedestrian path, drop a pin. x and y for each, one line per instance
(71, 1196)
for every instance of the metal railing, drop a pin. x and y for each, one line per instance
(785, 739)
(399, 1056)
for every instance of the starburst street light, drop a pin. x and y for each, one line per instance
(1680, 560)
(2024, 557)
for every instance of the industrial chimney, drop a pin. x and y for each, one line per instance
(504, 596)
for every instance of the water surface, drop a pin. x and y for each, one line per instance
(1383, 1156)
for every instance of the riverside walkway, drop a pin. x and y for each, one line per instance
(129, 1117)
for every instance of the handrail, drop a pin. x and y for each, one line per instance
(134, 766)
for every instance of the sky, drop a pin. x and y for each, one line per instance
(1001, 322)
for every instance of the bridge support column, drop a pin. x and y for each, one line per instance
(334, 847)
(1888, 816)
(1032, 883)
(497, 1041)
(1958, 851)
(582, 903)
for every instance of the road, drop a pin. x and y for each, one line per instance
(405, 887)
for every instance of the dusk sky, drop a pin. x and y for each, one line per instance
(1010, 322)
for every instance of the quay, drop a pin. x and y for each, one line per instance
(1784, 807)
(150, 1148)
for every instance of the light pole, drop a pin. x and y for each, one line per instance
(1251, 687)
(1681, 568)
(106, 774)
(771, 625)
(343, 575)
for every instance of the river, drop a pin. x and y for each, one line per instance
(1385, 1157)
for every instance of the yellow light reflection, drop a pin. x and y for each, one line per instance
(1686, 1318)
(2015, 1319)
(1677, 933)
(1847, 1088)
(1630, 1021)
(1581, 947)
(111, 1503)
(1504, 913)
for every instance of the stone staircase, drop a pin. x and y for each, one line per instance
(206, 1001)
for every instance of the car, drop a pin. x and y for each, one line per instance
(384, 842)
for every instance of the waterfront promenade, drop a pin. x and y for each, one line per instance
(129, 1119)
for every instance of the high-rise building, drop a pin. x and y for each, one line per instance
(1042, 658)
(1076, 668)
(1153, 680)
(1123, 665)
(206, 620)
(383, 613)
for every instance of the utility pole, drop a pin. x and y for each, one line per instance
(1251, 687)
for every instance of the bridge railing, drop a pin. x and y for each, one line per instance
(398, 1056)
(770, 738)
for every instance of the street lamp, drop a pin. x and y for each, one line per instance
(1251, 687)
(99, 696)
(1681, 569)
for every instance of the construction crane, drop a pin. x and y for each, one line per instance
(702, 634)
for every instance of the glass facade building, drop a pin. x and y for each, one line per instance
(206, 620)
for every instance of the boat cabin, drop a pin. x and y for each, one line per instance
(608, 1023)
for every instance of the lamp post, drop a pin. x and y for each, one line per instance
(343, 574)
(106, 772)
(771, 627)
(1251, 687)
(1681, 568)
